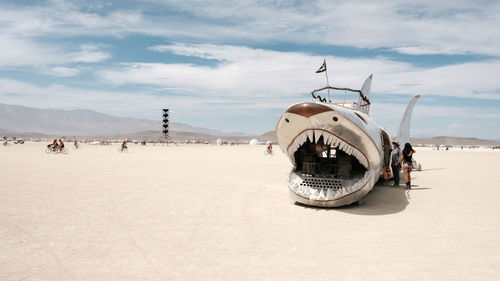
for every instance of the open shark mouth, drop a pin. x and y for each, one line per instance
(326, 167)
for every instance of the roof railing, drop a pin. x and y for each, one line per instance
(363, 103)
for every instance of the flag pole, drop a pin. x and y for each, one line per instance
(323, 68)
(327, 83)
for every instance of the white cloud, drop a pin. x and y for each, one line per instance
(488, 115)
(63, 71)
(422, 27)
(431, 120)
(244, 71)
(18, 51)
(61, 96)
(88, 54)
(63, 18)
(9, 86)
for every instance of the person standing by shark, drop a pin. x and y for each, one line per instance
(407, 160)
(395, 162)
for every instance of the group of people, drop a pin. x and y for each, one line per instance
(56, 145)
(402, 158)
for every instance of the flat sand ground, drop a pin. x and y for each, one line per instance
(206, 212)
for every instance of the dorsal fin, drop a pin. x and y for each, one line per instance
(367, 87)
(404, 128)
(365, 94)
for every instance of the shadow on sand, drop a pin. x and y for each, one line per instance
(433, 169)
(414, 187)
(382, 200)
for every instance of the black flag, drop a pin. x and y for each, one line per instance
(322, 67)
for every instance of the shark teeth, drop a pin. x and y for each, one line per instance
(310, 135)
(326, 189)
(329, 139)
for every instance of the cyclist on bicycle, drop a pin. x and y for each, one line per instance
(124, 145)
(61, 144)
(269, 148)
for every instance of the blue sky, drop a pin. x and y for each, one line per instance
(236, 65)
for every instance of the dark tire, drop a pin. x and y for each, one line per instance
(324, 167)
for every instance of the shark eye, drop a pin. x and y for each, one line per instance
(288, 121)
(335, 118)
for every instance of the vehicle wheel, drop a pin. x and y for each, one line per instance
(324, 167)
(48, 150)
(64, 150)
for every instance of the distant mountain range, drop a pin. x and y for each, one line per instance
(16, 118)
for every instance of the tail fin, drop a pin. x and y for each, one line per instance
(404, 128)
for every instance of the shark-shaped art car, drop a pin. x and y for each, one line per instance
(337, 151)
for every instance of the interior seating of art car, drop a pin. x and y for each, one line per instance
(316, 159)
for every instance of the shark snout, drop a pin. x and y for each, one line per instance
(308, 109)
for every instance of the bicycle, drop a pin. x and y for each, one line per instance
(123, 149)
(56, 149)
(268, 152)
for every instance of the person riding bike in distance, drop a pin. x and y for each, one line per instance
(61, 144)
(269, 149)
(124, 145)
(54, 145)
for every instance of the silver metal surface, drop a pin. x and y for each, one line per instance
(354, 133)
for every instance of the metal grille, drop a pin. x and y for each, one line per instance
(322, 183)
